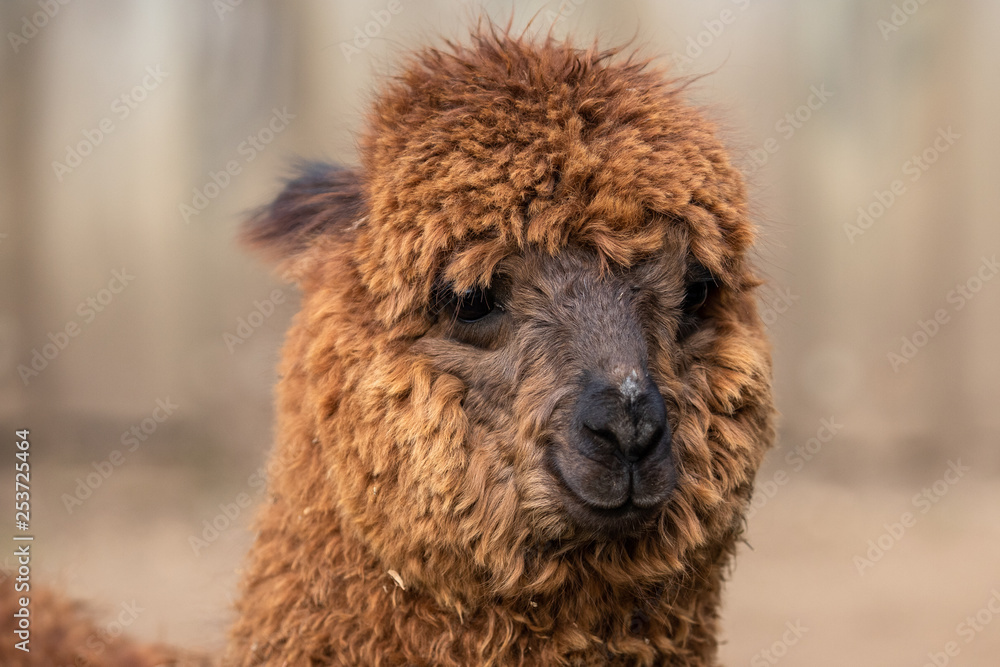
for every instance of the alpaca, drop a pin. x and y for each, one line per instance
(524, 401)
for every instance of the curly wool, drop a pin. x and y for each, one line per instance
(400, 529)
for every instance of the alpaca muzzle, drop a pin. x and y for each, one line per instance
(617, 465)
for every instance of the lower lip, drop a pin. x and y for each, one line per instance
(623, 517)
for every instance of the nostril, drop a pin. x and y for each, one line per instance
(652, 440)
(648, 436)
(603, 433)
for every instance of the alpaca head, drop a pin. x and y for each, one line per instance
(528, 351)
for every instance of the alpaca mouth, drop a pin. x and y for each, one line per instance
(613, 497)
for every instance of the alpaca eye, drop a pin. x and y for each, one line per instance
(696, 296)
(700, 284)
(474, 304)
(699, 289)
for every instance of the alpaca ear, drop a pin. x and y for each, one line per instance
(323, 202)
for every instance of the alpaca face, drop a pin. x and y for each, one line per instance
(528, 327)
(568, 330)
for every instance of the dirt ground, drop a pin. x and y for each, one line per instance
(796, 596)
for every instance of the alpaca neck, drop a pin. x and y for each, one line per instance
(306, 573)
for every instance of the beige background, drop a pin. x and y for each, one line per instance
(839, 304)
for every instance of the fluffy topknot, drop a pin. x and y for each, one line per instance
(478, 151)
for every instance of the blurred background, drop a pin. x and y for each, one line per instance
(138, 342)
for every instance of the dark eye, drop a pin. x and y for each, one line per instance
(700, 285)
(474, 304)
(696, 295)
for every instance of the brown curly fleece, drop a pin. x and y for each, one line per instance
(416, 516)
